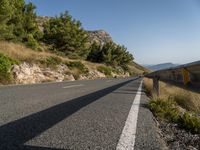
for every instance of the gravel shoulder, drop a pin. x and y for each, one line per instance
(178, 139)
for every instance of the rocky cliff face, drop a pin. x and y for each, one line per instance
(99, 36)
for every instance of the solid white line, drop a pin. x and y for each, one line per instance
(127, 138)
(109, 81)
(71, 86)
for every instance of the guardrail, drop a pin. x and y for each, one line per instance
(185, 76)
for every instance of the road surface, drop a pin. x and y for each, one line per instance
(102, 114)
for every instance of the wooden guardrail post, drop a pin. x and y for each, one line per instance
(156, 87)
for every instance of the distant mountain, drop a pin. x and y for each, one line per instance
(161, 66)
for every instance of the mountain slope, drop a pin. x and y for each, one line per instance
(160, 66)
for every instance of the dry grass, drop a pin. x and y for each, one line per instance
(91, 65)
(22, 53)
(186, 99)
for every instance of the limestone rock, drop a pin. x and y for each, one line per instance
(26, 73)
(69, 77)
(30, 73)
(99, 36)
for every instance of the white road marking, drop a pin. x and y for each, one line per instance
(109, 81)
(127, 138)
(71, 86)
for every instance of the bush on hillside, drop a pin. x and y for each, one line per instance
(79, 66)
(190, 123)
(106, 70)
(5, 67)
(52, 61)
(164, 109)
(31, 42)
(167, 110)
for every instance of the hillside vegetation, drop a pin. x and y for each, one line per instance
(175, 105)
(28, 41)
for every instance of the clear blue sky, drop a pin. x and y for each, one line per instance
(155, 31)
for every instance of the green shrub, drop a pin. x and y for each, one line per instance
(51, 61)
(5, 67)
(78, 65)
(31, 42)
(190, 123)
(106, 70)
(167, 111)
(73, 56)
(164, 109)
(126, 68)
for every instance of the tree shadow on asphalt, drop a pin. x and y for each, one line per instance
(14, 134)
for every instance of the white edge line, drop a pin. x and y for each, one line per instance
(71, 86)
(128, 136)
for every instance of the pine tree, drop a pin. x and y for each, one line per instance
(31, 30)
(5, 11)
(110, 54)
(18, 22)
(66, 35)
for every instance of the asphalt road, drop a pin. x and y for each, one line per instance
(75, 115)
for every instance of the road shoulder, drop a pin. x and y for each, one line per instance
(148, 134)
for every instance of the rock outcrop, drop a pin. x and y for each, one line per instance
(99, 36)
(31, 73)
(93, 74)
(26, 73)
(41, 20)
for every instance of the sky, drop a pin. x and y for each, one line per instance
(154, 31)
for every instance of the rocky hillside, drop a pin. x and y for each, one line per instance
(161, 66)
(22, 65)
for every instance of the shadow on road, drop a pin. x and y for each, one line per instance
(14, 134)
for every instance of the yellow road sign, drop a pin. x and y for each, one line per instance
(186, 76)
